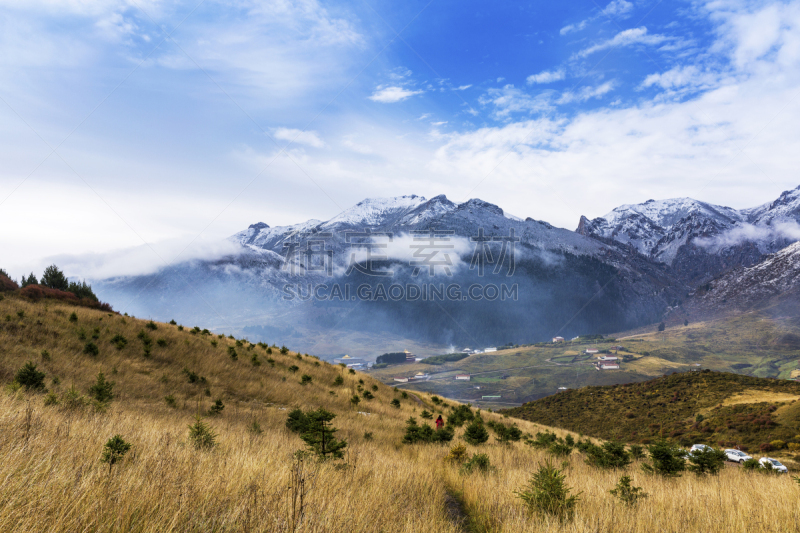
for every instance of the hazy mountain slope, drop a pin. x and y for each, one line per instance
(558, 281)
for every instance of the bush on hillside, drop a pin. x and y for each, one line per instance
(457, 454)
(505, 433)
(627, 493)
(91, 349)
(707, 461)
(6, 283)
(479, 462)
(201, 435)
(548, 494)
(423, 434)
(666, 459)
(216, 408)
(119, 341)
(29, 377)
(314, 429)
(114, 450)
(610, 455)
(102, 390)
(475, 433)
(458, 415)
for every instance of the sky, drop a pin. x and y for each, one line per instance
(167, 126)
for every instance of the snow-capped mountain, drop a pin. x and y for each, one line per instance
(700, 240)
(556, 281)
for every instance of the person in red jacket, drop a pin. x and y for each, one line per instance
(439, 423)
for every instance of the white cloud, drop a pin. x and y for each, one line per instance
(390, 95)
(748, 232)
(462, 87)
(143, 259)
(571, 28)
(625, 38)
(615, 9)
(586, 93)
(309, 138)
(546, 76)
(618, 8)
(510, 100)
(682, 77)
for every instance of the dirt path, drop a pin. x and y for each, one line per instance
(455, 512)
(416, 399)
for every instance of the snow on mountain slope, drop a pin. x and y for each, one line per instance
(786, 207)
(375, 211)
(697, 239)
(665, 213)
(775, 278)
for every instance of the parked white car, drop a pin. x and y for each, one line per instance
(774, 463)
(700, 448)
(737, 456)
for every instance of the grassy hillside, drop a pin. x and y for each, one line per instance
(716, 408)
(51, 444)
(754, 344)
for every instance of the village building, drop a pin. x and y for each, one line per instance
(464, 377)
(488, 350)
(607, 365)
(592, 351)
(401, 380)
(351, 362)
(410, 357)
(608, 358)
(420, 375)
(558, 339)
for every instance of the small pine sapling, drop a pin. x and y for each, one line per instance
(29, 377)
(547, 493)
(114, 450)
(201, 435)
(475, 433)
(217, 408)
(91, 349)
(627, 493)
(102, 390)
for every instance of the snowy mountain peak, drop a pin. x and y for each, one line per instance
(376, 211)
(665, 213)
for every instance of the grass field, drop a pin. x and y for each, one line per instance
(54, 480)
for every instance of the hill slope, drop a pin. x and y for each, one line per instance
(54, 480)
(716, 408)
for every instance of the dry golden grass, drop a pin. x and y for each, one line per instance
(756, 396)
(53, 479)
(734, 501)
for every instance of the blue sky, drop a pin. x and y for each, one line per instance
(183, 120)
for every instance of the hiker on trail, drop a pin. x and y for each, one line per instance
(439, 423)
